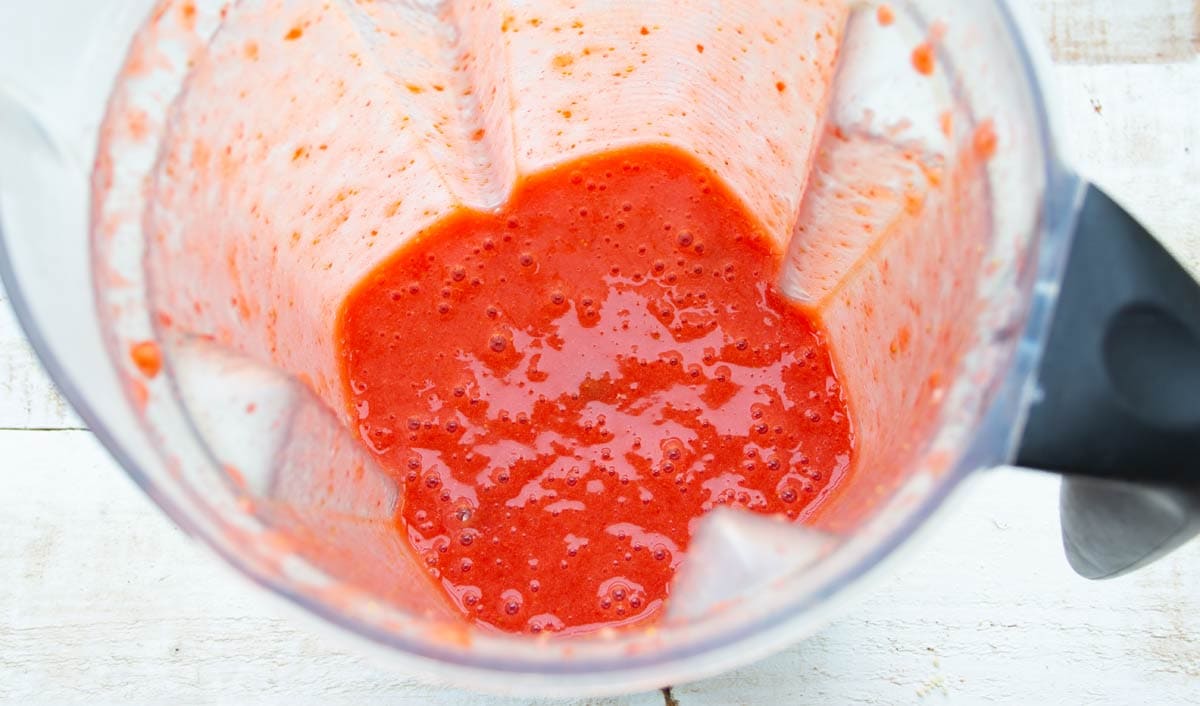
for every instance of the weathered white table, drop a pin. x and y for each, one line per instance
(103, 601)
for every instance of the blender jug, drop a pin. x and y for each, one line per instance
(155, 176)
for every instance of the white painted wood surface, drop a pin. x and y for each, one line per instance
(103, 601)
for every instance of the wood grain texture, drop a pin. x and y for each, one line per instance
(1135, 131)
(105, 602)
(28, 400)
(1130, 125)
(1121, 32)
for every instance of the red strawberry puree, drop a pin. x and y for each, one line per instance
(565, 386)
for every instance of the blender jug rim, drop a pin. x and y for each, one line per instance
(622, 671)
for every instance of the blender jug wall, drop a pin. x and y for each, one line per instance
(473, 98)
(470, 99)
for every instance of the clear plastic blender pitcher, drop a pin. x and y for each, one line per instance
(978, 228)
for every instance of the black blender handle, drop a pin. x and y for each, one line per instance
(1119, 409)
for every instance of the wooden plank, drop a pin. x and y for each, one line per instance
(1121, 31)
(1131, 127)
(104, 601)
(986, 610)
(28, 400)
(1133, 130)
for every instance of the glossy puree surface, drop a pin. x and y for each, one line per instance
(563, 387)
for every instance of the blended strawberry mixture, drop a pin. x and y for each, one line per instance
(565, 386)
(575, 274)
